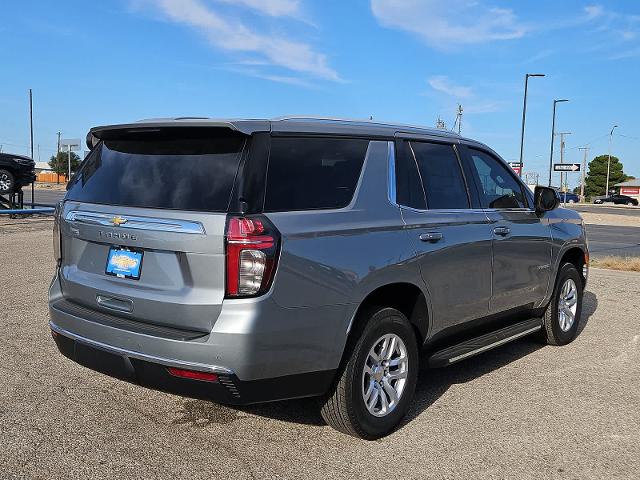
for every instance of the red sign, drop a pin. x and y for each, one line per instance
(630, 191)
(517, 170)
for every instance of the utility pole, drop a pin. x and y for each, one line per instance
(56, 162)
(31, 131)
(553, 135)
(458, 119)
(524, 116)
(609, 162)
(563, 187)
(440, 124)
(584, 168)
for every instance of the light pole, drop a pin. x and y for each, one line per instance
(606, 192)
(553, 134)
(524, 114)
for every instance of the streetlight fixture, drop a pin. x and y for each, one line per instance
(524, 114)
(553, 135)
(609, 162)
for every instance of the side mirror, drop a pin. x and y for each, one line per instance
(545, 199)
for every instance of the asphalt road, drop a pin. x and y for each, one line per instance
(44, 195)
(608, 209)
(520, 412)
(607, 240)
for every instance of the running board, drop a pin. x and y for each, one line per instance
(486, 342)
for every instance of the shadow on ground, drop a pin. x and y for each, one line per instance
(432, 384)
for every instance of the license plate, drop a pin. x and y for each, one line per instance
(124, 263)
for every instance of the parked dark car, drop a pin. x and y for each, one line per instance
(16, 171)
(568, 197)
(618, 200)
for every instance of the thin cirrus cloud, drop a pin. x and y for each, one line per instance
(230, 34)
(451, 91)
(442, 84)
(272, 8)
(450, 24)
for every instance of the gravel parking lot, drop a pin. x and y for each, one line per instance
(523, 411)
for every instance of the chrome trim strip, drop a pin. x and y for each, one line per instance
(169, 362)
(391, 190)
(493, 345)
(136, 223)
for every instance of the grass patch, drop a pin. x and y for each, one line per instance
(631, 264)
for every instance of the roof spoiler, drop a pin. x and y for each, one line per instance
(246, 127)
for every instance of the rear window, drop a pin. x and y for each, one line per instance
(313, 173)
(161, 170)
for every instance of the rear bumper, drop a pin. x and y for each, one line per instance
(260, 353)
(152, 372)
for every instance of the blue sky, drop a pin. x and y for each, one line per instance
(410, 61)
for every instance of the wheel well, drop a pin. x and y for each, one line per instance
(405, 297)
(575, 256)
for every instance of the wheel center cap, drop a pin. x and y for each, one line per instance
(377, 373)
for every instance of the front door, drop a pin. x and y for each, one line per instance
(521, 241)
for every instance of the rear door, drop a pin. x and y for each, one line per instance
(154, 204)
(451, 237)
(521, 241)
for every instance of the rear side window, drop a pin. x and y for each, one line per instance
(409, 190)
(161, 170)
(499, 189)
(313, 173)
(441, 175)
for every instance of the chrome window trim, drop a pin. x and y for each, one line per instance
(391, 188)
(169, 362)
(133, 222)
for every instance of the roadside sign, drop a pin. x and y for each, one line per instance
(630, 191)
(516, 167)
(566, 167)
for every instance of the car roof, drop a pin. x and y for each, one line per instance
(299, 124)
(9, 156)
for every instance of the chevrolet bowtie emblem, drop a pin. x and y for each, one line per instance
(117, 221)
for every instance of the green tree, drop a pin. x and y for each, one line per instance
(59, 162)
(596, 180)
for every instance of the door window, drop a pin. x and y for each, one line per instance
(499, 188)
(430, 173)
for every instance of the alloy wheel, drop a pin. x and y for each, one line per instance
(567, 305)
(384, 375)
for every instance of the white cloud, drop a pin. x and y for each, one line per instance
(232, 35)
(448, 24)
(273, 8)
(441, 83)
(594, 11)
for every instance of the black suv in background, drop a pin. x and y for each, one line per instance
(617, 200)
(16, 171)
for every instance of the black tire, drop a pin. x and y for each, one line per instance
(344, 408)
(7, 182)
(552, 333)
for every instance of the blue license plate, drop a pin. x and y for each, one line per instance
(124, 263)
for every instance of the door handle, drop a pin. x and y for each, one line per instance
(431, 237)
(503, 231)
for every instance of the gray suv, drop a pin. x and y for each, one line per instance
(256, 260)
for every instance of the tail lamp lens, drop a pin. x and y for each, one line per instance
(252, 248)
(192, 374)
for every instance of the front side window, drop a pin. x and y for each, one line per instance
(499, 189)
(441, 175)
(313, 173)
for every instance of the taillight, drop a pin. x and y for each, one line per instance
(57, 241)
(193, 374)
(252, 254)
